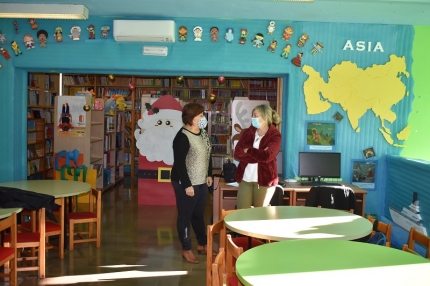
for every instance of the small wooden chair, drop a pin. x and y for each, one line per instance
(212, 230)
(416, 236)
(385, 228)
(93, 215)
(218, 268)
(8, 254)
(232, 252)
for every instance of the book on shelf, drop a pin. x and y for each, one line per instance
(39, 152)
(48, 161)
(31, 152)
(98, 167)
(33, 97)
(48, 146)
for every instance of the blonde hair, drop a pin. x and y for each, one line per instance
(268, 114)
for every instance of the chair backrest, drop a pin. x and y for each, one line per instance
(416, 236)
(218, 268)
(332, 197)
(278, 196)
(97, 195)
(232, 251)
(385, 228)
(216, 228)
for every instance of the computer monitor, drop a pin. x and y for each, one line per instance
(317, 165)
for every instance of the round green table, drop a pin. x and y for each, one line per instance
(330, 262)
(56, 188)
(296, 222)
(4, 213)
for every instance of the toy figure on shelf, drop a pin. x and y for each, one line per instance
(198, 33)
(182, 34)
(288, 32)
(15, 48)
(229, 35)
(121, 105)
(5, 53)
(15, 24)
(214, 34)
(97, 104)
(286, 51)
(317, 48)
(65, 123)
(32, 22)
(2, 38)
(58, 35)
(297, 61)
(258, 40)
(271, 28)
(110, 106)
(105, 31)
(273, 45)
(303, 39)
(90, 29)
(42, 35)
(75, 33)
(29, 41)
(243, 35)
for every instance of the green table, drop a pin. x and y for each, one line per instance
(296, 222)
(330, 262)
(4, 213)
(56, 188)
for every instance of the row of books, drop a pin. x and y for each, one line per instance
(219, 129)
(160, 82)
(220, 118)
(108, 142)
(105, 80)
(78, 80)
(219, 161)
(109, 124)
(230, 83)
(35, 151)
(108, 92)
(219, 149)
(141, 92)
(190, 93)
(197, 82)
(228, 94)
(263, 95)
(219, 139)
(98, 167)
(267, 83)
(34, 98)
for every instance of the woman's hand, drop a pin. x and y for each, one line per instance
(209, 181)
(245, 150)
(190, 191)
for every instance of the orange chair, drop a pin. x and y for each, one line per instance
(232, 252)
(212, 230)
(8, 254)
(385, 228)
(416, 236)
(218, 268)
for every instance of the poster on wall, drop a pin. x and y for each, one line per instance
(71, 117)
(320, 136)
(364, 174)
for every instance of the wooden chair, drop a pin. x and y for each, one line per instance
(218, 268)
(385, 228)
(31, 240)
(232, 254)
(416, 236)
(8, 254)
(212, 230)
(92, 216)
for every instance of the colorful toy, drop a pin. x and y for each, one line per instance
(42, 35)
(29, 41)
(97, 104)
(303, 39)
(105, 31)
(5, 53)
(198, 33)
(182, 34)
(75, 33)
(2, 38)
(229, 37)
(92, 31)
(15, 48)
(243, 35)
(110, 106)
(58, 35)
(121, 105)
(317, 48)
(288, 32)
(271, 28)
(297, 61)
(214, 34)
(258, 40)
(32, 22)
(273, 45)
(15, 24)
(286, 51)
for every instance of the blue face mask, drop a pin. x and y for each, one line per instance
(202, 123)
(255, 122)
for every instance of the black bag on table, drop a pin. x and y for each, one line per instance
(228, 171)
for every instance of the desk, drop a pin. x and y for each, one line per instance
(4, 213)
(321, 262)
(293, 222)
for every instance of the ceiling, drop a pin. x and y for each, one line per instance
(407, 12)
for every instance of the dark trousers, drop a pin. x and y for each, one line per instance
(190, 213)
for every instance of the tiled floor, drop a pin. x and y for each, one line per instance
(140, 240)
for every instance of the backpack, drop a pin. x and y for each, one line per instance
(378, 238)
(228, 171)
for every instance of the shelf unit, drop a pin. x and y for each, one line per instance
(96, 143)
(119, 145)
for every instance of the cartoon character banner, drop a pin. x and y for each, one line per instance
(320, 136)
(71, 117)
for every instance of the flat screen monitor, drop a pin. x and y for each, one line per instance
(317, 165)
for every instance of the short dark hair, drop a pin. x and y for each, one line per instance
(191, 110)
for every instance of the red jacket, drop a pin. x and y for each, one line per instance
(266, 159)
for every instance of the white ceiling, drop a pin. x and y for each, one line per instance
(408, 12)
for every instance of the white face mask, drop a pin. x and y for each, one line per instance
(202, 123)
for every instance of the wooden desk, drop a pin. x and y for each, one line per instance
(294, 222)
(333, 262)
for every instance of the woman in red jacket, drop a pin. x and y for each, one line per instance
(256, 152)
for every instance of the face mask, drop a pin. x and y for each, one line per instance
(202, 122)
(255, 122)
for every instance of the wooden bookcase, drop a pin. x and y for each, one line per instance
(119, 145)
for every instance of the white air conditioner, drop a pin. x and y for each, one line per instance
(144, 31)
(154, 51)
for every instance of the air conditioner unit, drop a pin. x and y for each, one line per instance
(154, 51)
(144, 31)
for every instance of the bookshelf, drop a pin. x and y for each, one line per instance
(37, 167)
(119, 145)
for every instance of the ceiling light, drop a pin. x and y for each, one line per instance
(43, 11)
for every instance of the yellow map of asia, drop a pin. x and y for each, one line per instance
(357, 90)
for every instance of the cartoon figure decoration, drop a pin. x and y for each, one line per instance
(243, 35)
(29, 41)
(303, 39)
(198, 33)
(65, 123)
(286, 51)
(271, 28)
(97, 104)
(105, 31)
(92, 31)
(42, 35)
(258, 40)
(229, 37)
(288, 32)
(15, 24)
(121, 105)
(273, 45)
(317, 48)
(32, 22)
(15, 48)
(75, 33)
(214, 34)
(58, 35)
(2, 38)
(182, 33)
(297, 61)
(5, 53)
(110, 106)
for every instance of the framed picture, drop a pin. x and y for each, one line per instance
(369, 153)
(364, 174)
(320, 136)
(338, 117)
